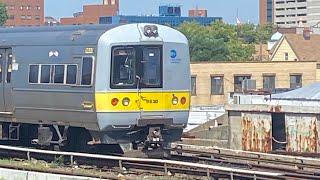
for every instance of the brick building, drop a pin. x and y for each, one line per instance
(198, 13)
(24, 12)
(92, 13)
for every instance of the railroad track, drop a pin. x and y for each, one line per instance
(291, 166)
(195, 163)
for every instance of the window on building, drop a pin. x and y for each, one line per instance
(269, 82)
(23, 7)
(29, 17)
(193, 85)
(37, 7)
(238, 82)
(37, 17)
(29, 7)
(217, 85)
(11, 17)
(303, 7)
(113, 2)
(11, 7)
(286, 56)
(86, 77)
(23, 17)
(295, 81)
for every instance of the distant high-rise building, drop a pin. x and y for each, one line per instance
(168, 15)
(198, 13)
(296, 13)
(266, 11)
(92, 13)
(24, 12)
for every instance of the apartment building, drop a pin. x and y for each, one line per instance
(92, 13)
(24, 12)
(293, 13)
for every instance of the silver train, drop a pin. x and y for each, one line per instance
(77, 86)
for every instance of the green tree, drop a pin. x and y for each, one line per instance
(3, 14)
(247, 33)
(203, 46)
(264, 32)
(224, 42)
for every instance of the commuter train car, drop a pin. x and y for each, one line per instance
(73, 86)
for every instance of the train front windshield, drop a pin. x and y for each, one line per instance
(136, 66)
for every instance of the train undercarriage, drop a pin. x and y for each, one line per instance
(147, 141)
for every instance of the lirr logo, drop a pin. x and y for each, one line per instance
(173, 54)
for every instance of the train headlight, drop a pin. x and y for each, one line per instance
(175, 100)
(151, 31)
(126, 101)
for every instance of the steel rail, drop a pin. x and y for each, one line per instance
(166, 164)
(261, 158)
(258, 162)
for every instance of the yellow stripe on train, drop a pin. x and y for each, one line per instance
(146, 101)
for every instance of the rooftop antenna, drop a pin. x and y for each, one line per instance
(238, 20)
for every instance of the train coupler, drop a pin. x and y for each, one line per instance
(154, 138)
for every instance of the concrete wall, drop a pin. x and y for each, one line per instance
(235, 127)
(9, 174)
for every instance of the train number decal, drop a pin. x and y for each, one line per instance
(150, 101)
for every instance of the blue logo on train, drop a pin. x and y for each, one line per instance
(173, 54)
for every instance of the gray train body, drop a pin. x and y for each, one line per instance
(119, 83)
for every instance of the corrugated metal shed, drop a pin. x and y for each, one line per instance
(310, 93)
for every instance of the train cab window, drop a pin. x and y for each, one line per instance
(33, 73)
(45, 74)
(58, 74)
(123, 66)
(86, 78)
(151, 67)
(71, 74)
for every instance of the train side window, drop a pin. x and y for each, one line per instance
(1, 61)
(34, 74)
(58, 74)
(45, 74)
(71, 74)
(87, 64)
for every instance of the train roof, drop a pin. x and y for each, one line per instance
(53, 35)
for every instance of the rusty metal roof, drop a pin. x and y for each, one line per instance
(310, 92)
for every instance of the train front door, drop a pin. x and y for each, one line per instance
(6, 106)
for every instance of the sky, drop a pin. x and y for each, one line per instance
(248, 10)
